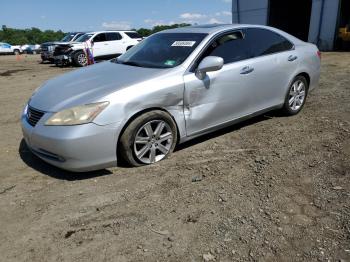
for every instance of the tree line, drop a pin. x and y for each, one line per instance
(34, 35)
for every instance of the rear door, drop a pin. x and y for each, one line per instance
(115, 43)
(274, 63)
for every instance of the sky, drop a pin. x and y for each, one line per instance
(90, 15)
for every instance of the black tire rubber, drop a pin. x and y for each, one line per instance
(125, 145)
(75, 58)
(286, 107)
(16, 52)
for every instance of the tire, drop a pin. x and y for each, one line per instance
(148, 148)
(79, 60)
(16, 52)
(296, 96)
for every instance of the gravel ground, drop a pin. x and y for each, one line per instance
(272, 188)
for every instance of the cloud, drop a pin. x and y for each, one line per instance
(121, 25)
(43, 17)
(223, 13)
(152, 22)
(215, 21)
(192, 16)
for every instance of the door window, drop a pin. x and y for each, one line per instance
(231, 47)
(265, 42)
(133, 35)
(113, 36)
(100, 38)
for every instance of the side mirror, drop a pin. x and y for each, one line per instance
(209, 64)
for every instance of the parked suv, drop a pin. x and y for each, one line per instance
(48, 48)
(6, 49)
(102, 45)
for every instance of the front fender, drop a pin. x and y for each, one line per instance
(165, 94)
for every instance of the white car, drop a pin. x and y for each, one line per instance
(47, 49)
(101, 44)
(6, 48)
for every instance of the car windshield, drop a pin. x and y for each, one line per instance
(67, 38)
(163, 50)
(84, 38)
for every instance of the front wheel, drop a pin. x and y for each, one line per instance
(149, 138)
(16, 52)
(296, 97)
(80, 59)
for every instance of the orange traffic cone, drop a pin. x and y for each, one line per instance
(18, 57)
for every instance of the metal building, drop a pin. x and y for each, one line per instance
(316, 21)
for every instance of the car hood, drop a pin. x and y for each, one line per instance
(89, 84)
(54, 43)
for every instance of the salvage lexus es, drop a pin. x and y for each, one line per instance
(171, 87)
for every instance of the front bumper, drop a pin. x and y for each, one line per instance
(77, 148)
(62, 58)
(46, 55)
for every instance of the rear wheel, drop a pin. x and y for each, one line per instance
(80, 59)
(296, 97)
(149, 138)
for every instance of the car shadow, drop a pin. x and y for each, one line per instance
(228, 129)
(39, 165)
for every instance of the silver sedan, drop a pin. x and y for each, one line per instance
(173, 86)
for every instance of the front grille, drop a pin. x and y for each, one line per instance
(34, 115)
(47, 48)
(61, 50)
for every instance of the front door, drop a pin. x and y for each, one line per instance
(100, 45)
(222, 95)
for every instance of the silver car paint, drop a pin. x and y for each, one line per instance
(197, 106)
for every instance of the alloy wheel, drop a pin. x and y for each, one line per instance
(82, 60)
(153, 141)
(297, 95)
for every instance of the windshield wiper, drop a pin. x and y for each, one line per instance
(132, 63)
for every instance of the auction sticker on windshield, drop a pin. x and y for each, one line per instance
(184, 43)
(170, 62)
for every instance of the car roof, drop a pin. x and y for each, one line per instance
(107, 31)
(207, 28)
(211, 29)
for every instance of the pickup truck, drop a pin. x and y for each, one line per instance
(101, 44)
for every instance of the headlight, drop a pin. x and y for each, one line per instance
(76, 115)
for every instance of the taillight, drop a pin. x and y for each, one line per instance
(319, 54)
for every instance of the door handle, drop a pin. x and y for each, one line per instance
(247, 70)
(106, 44)
(292, 58)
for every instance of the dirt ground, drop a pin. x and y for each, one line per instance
(273, 188)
